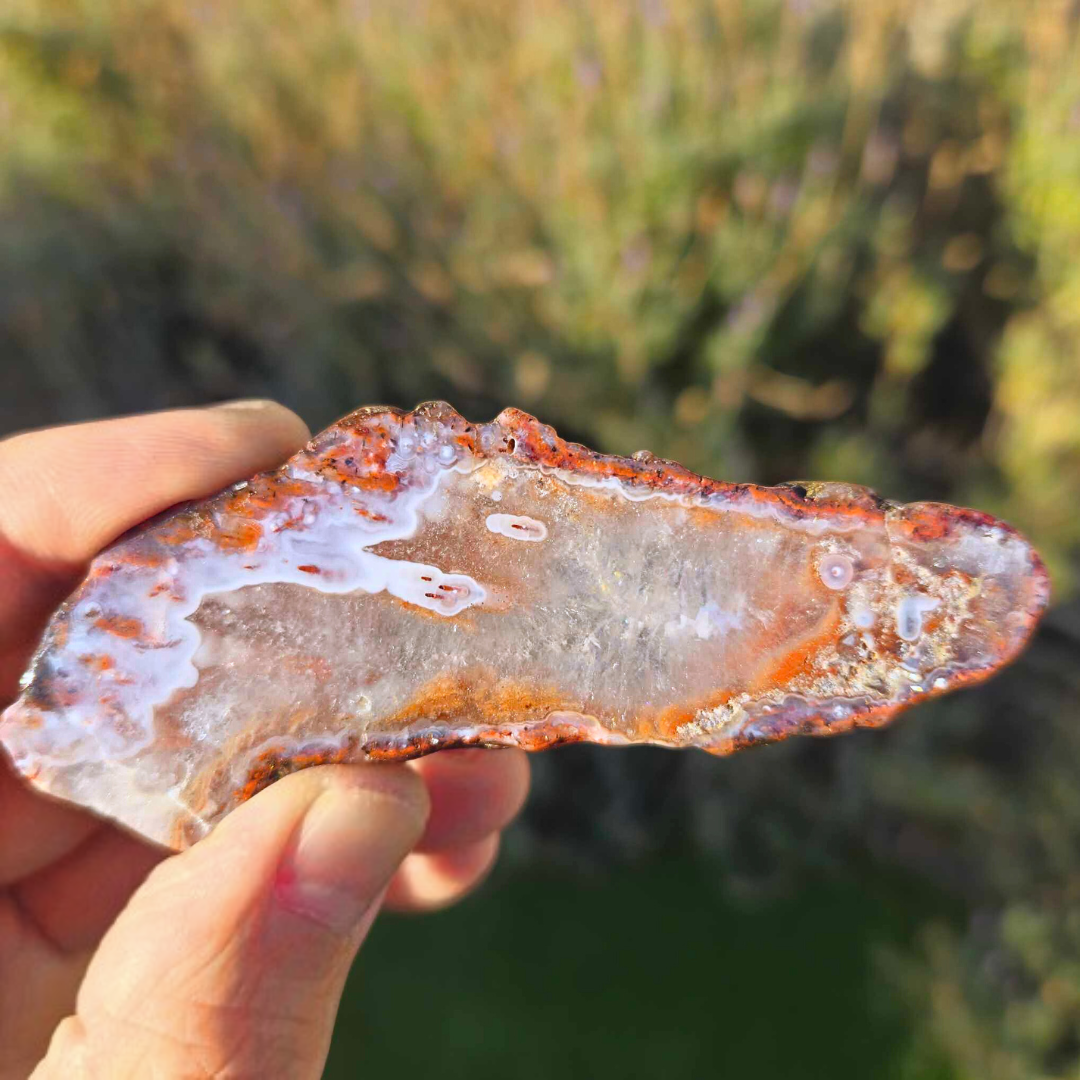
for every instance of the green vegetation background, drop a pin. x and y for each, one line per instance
(834, 239)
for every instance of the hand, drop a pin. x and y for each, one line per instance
(228, 959)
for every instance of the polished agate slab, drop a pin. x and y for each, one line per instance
(412, 581)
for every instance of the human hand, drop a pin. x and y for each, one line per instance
(118, 960)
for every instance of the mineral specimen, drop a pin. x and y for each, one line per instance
(411, 581)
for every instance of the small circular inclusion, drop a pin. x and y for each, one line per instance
(836, 571)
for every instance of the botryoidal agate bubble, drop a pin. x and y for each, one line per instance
(411, 581)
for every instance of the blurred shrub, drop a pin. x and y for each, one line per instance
(818, 238)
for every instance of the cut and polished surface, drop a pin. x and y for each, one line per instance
(411, 581)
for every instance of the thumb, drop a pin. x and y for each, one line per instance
(231, 958)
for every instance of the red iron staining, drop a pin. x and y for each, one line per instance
(119, 626)
(279, 761)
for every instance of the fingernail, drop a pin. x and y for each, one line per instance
(243, 403)
(348, 846)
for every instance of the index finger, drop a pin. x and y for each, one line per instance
(68, 492)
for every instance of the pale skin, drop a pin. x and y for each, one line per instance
(119, 959)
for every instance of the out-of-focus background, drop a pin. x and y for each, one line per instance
(830, 239)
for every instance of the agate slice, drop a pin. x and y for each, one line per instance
(412, 581)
